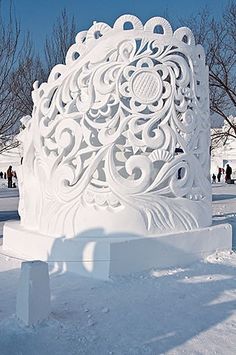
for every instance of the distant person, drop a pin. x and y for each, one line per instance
(228, 173)
(214, 179)
(14, 179)
(5, 176)
(9, 176)
(1, 174)
(219, 175)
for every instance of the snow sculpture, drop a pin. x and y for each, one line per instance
(119, 135)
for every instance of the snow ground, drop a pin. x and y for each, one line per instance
(178, 311)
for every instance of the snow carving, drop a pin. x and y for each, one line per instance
(119, 136)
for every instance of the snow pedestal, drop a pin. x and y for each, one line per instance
(112, 255)
(33, 296)
(116, 154)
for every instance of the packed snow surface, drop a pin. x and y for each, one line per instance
(176, 311)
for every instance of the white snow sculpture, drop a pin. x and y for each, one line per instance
(119, 135)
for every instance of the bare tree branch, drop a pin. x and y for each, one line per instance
(218, 37)
(63, 35)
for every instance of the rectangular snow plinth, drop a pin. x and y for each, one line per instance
(33, 296)
(167, 251)
(101, 256)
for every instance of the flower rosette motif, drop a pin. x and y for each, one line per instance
(143, 87)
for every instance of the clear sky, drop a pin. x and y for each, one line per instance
(38, 16)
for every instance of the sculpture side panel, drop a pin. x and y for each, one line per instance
(120, 135)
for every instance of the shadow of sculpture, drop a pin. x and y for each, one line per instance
(89, 253)
(97, 254)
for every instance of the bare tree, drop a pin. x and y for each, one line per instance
(218, 37)
(28, 71)
(19, 69)
(9, 55)
(63, 35)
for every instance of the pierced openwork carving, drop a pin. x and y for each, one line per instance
(119, 135)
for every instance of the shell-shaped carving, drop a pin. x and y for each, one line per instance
(160, 154)
(73, 53)
(97, 31)
(159, 21)
(81, 37)
(77, 49)
(56, 72)
(185, 35)
(120, 22)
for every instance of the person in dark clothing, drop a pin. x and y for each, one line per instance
(228, 173)
(213, 178)
(1, 174)
(219, 175)
(9, 176)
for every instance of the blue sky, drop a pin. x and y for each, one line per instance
(38, 16)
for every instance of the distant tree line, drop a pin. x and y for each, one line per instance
(21, 65)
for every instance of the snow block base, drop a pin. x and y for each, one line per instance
(95, 254)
